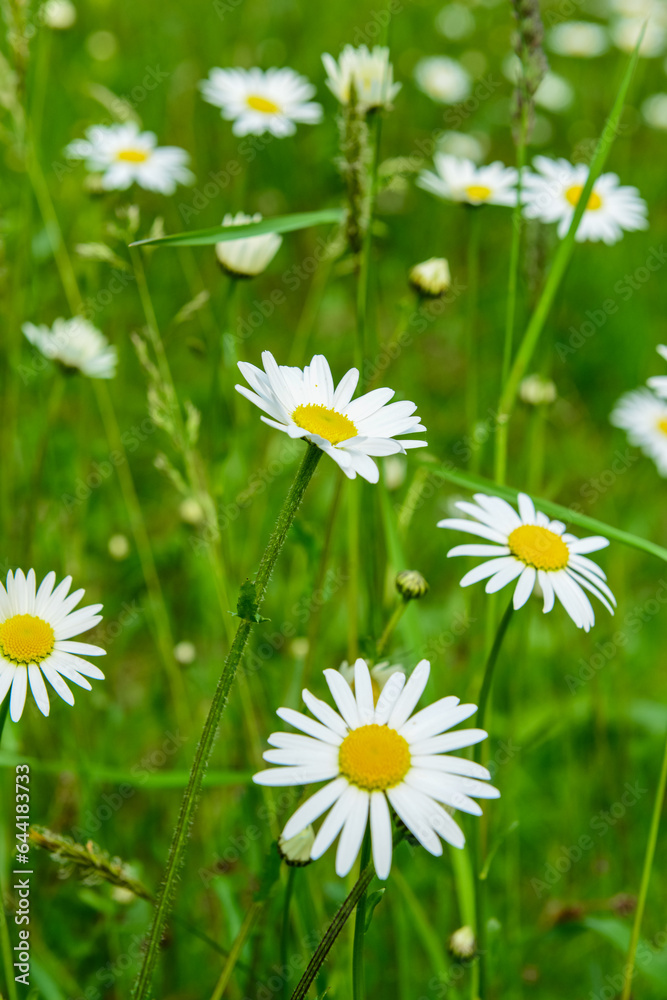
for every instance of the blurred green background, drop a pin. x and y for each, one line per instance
(563, 752)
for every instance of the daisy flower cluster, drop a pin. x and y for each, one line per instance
(642, 414)
(76, 345)
(550, 193)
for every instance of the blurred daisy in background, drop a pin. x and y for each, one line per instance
(581, 39)
(553, 193)
(377, 755)
(371, 72)
(643, 416)
(531, 549)
(76, 345)
(125, 156)
(58, 14)
(380, 674)
(305, 404)
(443, 79)
(258, 101)
(626, 31)
(249, 255)
(458, 179)
(464, 145)
(554, 92)
(659, 382)
(455, 21)
(36, 627)
(654, 110)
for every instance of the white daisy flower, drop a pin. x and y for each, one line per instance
(305, 404)
(654, 110)
(36, 627)
(371, 72)
(643, 416)
(529, 546)
(458, 179)
(249, 255)
(659, 382)
(126, 156)
(259, 101)
(553, 193)
(75, 344)
(377, 756)
(443, 79)
(581, 39)
(625, 34)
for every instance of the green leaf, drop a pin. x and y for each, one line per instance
(477, 483)
(372, 901)
(220, 234)
(651, 961)
(248, 605)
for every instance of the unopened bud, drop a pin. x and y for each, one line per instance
(536, 390)
(431, 278)
(296, 851)
(411, 585)
(462, 943)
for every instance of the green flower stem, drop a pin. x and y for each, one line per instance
(244, 931)
(646, 876)
(5, 940)
(396, 616)
(52, 411)
(510, 314)
(556, 275)
(284, 932)
(4, 712)
(178, 848)
(480, 884)
(487, 680)
(353, 570)
(360, 926)
(313, 626)
(332, 932)
(472, 380)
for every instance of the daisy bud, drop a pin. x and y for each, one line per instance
(462, 943)
(295, 852)
(118, 547)
(191, 511)
(185, 652)
(537, 390)
(249, 255)
(411, 585)
(431, 278)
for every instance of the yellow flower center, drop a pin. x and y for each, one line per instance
(539, 547)
(478, 192)
(26, 639)
(573, 194)
(374, 757)
(334, 427)
(262, 104)
(662, 425)
(132, 156)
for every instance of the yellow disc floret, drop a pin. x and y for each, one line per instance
(662, 425)
(132, 156)
(374, 757)
(26, 639)
(573, 194)
(539, 547)
(326, 423)
(262, 104)
(478, 192)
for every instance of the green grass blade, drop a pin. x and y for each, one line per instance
(651, 961)
(220, 234)
(139, 776)
(554, 509)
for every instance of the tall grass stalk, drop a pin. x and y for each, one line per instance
(646, 877)
(249, 605)
(556, 274)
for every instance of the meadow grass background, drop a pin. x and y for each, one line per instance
(563, 752)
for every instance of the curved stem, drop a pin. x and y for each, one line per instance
(284, 932)
(472, 380)
(514, 255)
(487, 680)
(360, 927)
(332, 932)
(178, 848)
(646, 877)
